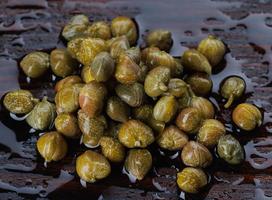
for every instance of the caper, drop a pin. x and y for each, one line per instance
(134, 133)
(117, 109)
(19, 101)
(113, 129)
(71, 31)
(247, 116)
(165, 109)
(184, 101)
(143, 72)
(133, 94)
(92, 166)
(156, 81)
(52, 146)
(92, 128)
(84, 49)
(193, 60)
(195, 154)
(62, 64)
(35, 64)
(204, 106)
(117, 46)
(42, 115)
(138, 163)
(213, 49)
(79, 19)
(200, 83)
(230, 150)
(112, 149)
(68, 81)
(177, 87)
(232, 88)
(102, 67)
(86, 74)
(160, 38)
(67, 125)
(172, 138)
(134, 53)
(100, 30)
(91, 98)
(122, 25)
(189, 120)
(210, 132)
(191, 179)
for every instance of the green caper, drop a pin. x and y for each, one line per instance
(112, 149)
(134, 133)
(204, 106)
(66, 82)
(177, 87)
(200, 83)
(79, 19)
(117, 46)
(86, 74)
(117, 109)
(160, 38)
(143, 72)
(67, 125)
(232, 88)
(35, 64)
(229, 149)
(100, 30)
(138, 163)
(184, 101)
(62, 64)
(71, 31)
(134, 53)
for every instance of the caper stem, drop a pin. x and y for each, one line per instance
(191, 92)
(229, 102)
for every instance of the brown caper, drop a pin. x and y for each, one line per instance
(19, 101)
(191, 179)
(112, 149)
(160, 38)
(177, 87)
(247, 116)
(172, 138)
(165, 109)
(71, 31)
(189, 120)
(67, 125)
(92, 128)
(92, 166)
(117, 109)
(210, 132)
(52, 146)
(42, 116)
(86, 74)
(200, 83)
(102, 67)
(117, 46)
(91, 98)
(138, 163)
(134, 133)
(122, 25)
(213, 49)
(133, 94)
(100, 30)
(195, 154)
(204, 106)
(62, 64)
(195, 61)
(68, 81)
(232, 88)
(35, 64)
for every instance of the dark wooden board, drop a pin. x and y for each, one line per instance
(244, 25)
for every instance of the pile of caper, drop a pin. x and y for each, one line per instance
(125, 98)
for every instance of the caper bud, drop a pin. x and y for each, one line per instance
(92, 128)
(247, 116)
(213, 49)
(177, 87)
(195, 154)
(19, 101)
(134, 133)
(143, 72)
(71, 31)
(184, 101)
(100, 30)
(62, 64)
(122, 25)
(102, 67)
(91, 98)
(134, 53)
(165, 109)
(84, 49)
(200, 83)
(193, 60)
(112, 149)
(35, 64)
(113, 129)
(133, 94)
(191, 179)
(52, 146)
(86, 74)
(68, 81)
(67, 125)
(156, 81)
(67, 98)
(138, 163)
(42, 115)
(79, 19)
(189, 120)
(232, 88)
(210, 132)
(117, 109)
(229, 149)
(117, 46)
(92, 166)
(160, 38)
(172, 138)
(204, 106)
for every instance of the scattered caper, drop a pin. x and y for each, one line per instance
(67, 125)
(112, 149)
(200, 83)
(160, 38)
